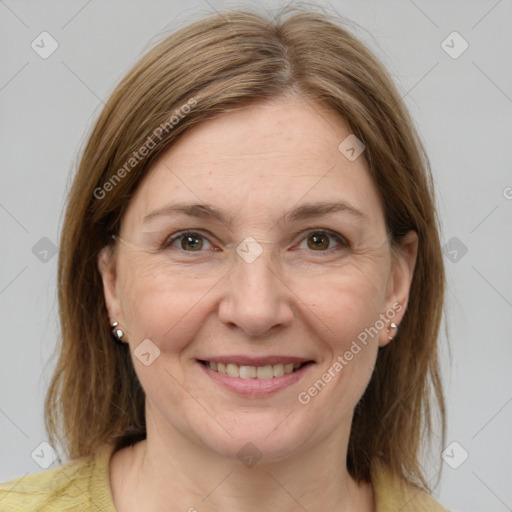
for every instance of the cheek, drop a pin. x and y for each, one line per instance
(161, 305)
(343, 309)
(343, 319)
(344, 302)
(343, 314)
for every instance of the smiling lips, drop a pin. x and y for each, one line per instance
(249, 368)
(255, 377)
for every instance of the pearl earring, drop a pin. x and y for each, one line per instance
(116, 331)
(393, 326)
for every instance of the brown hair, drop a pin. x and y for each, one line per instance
(220, 64)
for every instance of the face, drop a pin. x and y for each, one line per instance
(254, 244)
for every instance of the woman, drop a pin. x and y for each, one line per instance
(250, 284)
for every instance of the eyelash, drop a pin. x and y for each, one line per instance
(182, 234)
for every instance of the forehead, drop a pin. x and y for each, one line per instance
(262, 158)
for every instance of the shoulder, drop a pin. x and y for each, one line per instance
(393, 493)
(81, 484)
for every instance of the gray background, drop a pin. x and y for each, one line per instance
(461, 105)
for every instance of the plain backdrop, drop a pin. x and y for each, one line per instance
(461, 100)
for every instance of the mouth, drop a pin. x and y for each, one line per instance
(261, 372)
(255, 378)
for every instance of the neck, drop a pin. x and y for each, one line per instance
(170, 472)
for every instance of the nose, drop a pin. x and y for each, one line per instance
(256, 298)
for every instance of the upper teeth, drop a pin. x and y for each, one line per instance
(253, 372)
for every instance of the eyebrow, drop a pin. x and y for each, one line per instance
(302, 212)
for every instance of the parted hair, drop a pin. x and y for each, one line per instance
(222, 63)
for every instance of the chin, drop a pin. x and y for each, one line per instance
(258, 440)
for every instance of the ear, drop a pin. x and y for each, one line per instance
(404, 263)
(107, 268)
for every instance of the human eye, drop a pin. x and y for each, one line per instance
(323, 241)
(188, 241)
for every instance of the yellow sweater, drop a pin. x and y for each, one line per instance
(83, 485)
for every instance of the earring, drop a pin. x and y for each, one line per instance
(117, 332)
(393, 326)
